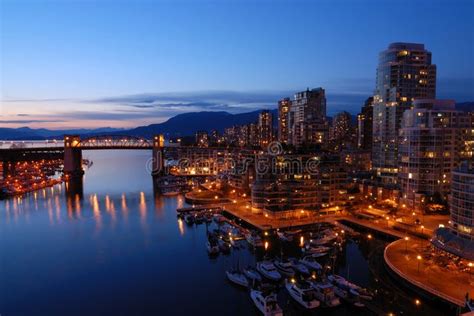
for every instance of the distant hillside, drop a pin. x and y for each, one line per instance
(26, 133)
(18, 134)
(180, 125)
(189, 123)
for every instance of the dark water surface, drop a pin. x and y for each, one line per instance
(121, 251)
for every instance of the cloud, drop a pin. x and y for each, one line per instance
(231, 101)
(29, 121)
(147, 108)
(36, 100)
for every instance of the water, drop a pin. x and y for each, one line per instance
(121, 250)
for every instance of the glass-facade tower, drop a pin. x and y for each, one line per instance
(404, 73)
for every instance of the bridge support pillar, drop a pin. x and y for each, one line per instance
(72, 156)
(74, 188)
(158, 160)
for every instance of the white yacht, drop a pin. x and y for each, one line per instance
(252, 274)
(303, 294)
(298, 266)
(316, 249)
(325, 293)
(351, 296)
(267, 305)
(344, 284)
(324, 240)
(284, 267)
(268, 270)
(311, 263)
(237, 278)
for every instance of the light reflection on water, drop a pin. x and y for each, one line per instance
(119, 250)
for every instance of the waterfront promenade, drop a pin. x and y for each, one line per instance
(412, 260)
(262, 222)
(409, 256)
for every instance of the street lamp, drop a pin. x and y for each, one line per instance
(406, 244)
(470, 265)
(419, 260)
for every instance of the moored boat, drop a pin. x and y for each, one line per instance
(298, 266)
(350, 296)
(254, 240)
(302, 293)
(268, 270)
(237, 278)
(252, 274)
(311, 263)
(344, 284)
(325, 293)
(266, 304)
(317, 249)
(284, 267)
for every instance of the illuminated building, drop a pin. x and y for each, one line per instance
(214, 137)
(290, 185)
(342, 132)
(202, 139)
(283, 128)
(430, 147)
(458, 238)
(404, 73)
(265, 125)
(307, 118)
(364, 125)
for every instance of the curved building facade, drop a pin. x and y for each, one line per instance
(459, 237)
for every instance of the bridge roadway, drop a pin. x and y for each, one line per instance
(36, 150)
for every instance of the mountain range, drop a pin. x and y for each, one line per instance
(186, 124)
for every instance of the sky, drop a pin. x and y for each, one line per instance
(84, 63)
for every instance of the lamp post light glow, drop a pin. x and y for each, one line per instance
(419, 260)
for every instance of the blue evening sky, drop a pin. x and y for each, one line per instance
(69, 63)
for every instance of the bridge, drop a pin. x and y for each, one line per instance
(199, 160)
(70, 150)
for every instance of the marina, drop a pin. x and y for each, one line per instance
(308, 271)
(141, 221)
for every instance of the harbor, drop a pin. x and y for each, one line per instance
(300, 261)
(240, 259)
